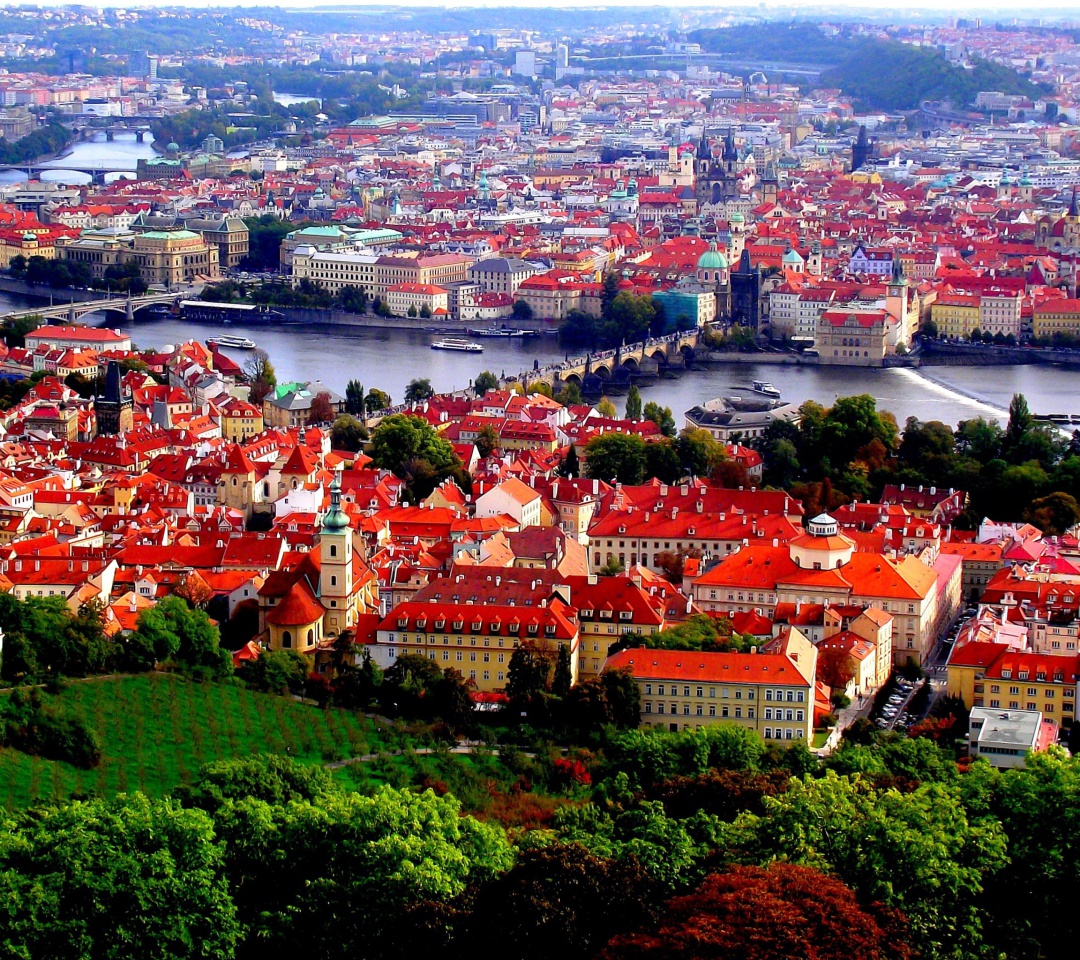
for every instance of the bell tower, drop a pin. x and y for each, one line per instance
(336, 555)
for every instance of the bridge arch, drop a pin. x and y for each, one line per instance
(631, 364)
(659, 354)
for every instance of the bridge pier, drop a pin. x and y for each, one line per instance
(110, 136)
(141, 136)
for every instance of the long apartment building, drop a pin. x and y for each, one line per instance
(374, 274)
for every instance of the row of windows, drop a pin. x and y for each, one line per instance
(791, 696)
(458, 641)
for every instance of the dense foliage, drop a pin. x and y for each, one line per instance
(52, 138)
(852, 450)
(886, 75)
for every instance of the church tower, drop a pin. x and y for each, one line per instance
(896, 300)
(737, 228)
(336, 555)
(770, 184)
(114, 411)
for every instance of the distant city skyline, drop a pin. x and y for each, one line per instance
(967, 7)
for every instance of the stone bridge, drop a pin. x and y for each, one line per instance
(116, 307)
(648, 358)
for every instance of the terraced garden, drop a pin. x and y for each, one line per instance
(156, 730)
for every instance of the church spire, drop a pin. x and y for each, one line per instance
(336, 518)
(1074, 208)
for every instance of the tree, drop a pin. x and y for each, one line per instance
(1054, 514)
(606, 408)
(194, 589)
(412, 310)
(348, 433)
(661, 416)
(616, 458)
(355, 864)
(354, 398)
(376, 400)
(277, 671)
(756, 913)
(569, 466)
(1020, 420)
(527, 676)
(563, 677)
(560, 901)
(322, 409)
(487, 440)
(570, 395)
(83, 874)
(425, 311)
(633, 403)
(835, 668)
(521, 310)
(916, 852)
(484, 382)
(418, 390)
(411, 449)
(699, 452)
(17, 264)
(260, 374)
(172, 630)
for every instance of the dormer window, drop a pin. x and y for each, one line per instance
(625, 615)
(403, 623)
(550, 629)
(458, 625)
(514, 627)
(1006, 674)
(477, 626)
(534, 628)
(440, 624)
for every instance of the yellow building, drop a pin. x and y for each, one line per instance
(172, 257)
(477, 641)
(770, 693)
(240, 421)
(955, 314)
(994, 675)
(1056, 316)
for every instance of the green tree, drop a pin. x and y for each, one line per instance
(173, 631)
(527, 676)
(354, 398)
(521, 310)
(916, 852)
(355, 863)
(484, 382)
(570, 395)
(563, 676)
(129, 876)
(661, 416)
(414, 452)
(1054, 514)
(633, 404)
(277, 671)
(348, 433)
(569, 466)
(487, 440)
(418, 390)
(376, 400)
(616, 457)
(606, 408)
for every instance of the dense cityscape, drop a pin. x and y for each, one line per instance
(596, 483)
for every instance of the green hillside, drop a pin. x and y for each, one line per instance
(156, 730)
(897, 76)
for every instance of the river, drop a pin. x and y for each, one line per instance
(120, 155)
(389, 359)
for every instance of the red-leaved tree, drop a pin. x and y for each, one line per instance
(751, 913)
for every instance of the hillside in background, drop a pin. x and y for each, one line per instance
(897, 76)
(794, 43)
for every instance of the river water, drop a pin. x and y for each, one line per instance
(389, 359)
(121, 155)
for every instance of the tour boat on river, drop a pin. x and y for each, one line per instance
(454, 343)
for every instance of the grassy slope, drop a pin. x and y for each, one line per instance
(157, 730)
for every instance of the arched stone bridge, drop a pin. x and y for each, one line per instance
(117, 307)
(646, 358)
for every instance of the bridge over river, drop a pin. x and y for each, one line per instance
(648, 358)
(116, 307)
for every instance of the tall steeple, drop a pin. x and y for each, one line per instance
(113, 411)
(1074, 207)
(336, 566)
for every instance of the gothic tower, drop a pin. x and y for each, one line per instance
(114, 411)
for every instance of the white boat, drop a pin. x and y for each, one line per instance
(233, 343)
(765, 388)
(453, 343)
